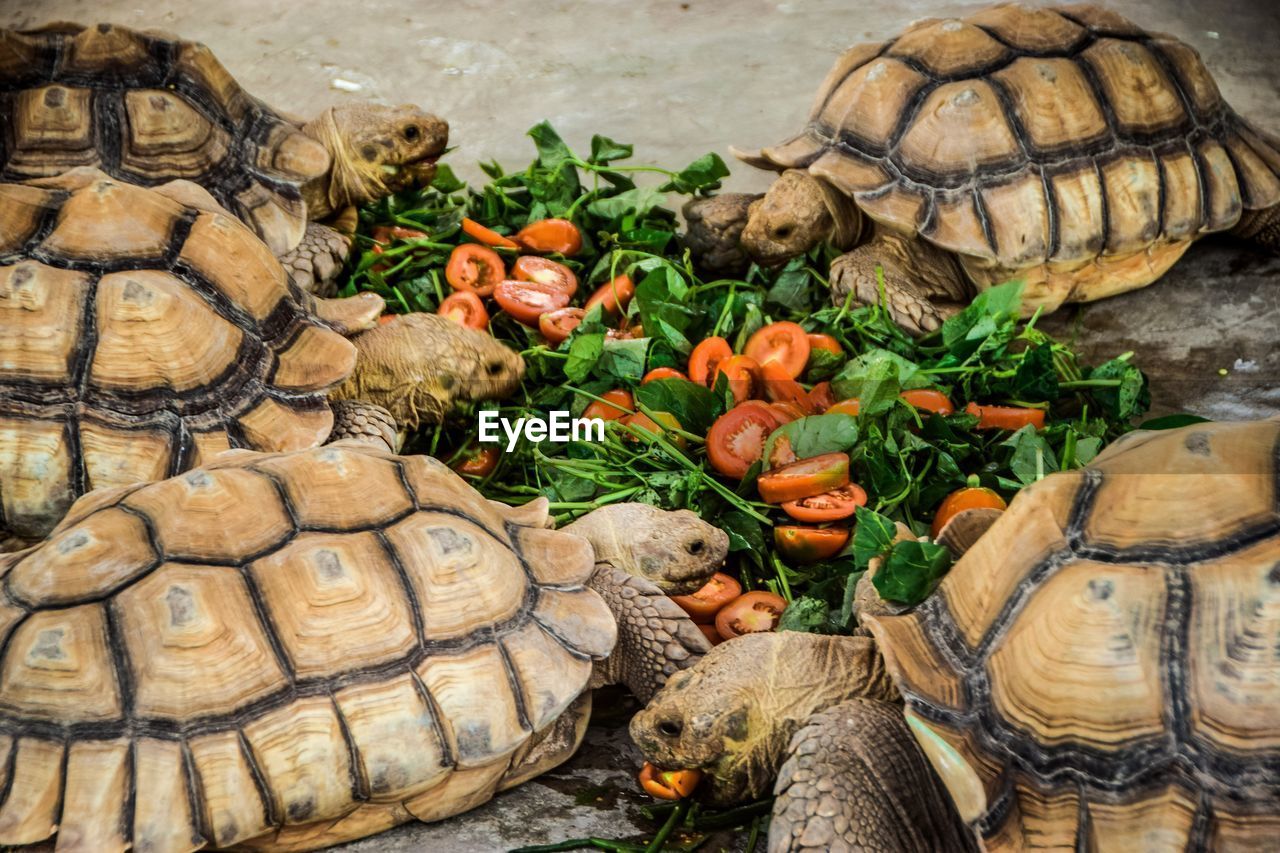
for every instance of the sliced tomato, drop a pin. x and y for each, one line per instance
(736, 440)
(661, 424)
(826, 342)
(551, 235)
(809, 544)
(380, 266)
(614, 295)
(387, 318)
(781, 453)
(479, 462)
(669, 784)
(780, 387)
(559, 324)
(712, 635)
(835, 505)
(399, 232)
(742, 374)
(821, 398)
(545, 271)
(845, 407)
(381, 233)
(784, 343)
(970, 497)
(703, 605)
(929, 400)
(528, 300)
(804, 478)
(475, 268)
(1006, 417)
(704, 358)
(662, 373)
(487, 236)
(788, 412)
(750, 613)
(465, 308)
(618, 403)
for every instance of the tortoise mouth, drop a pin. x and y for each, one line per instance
(414, 174)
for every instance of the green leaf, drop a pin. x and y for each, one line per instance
(993, 310)
(815, 435)
(876, 377)
(605, 150)
(1032, 457)
(744, 532)
(1037, 378)
(693, 405)
(872, 536)
(1174, 421)
(623, 359)
(584, 352)
(911, 571)
(639, 201)
(702, 175)
(804, 614)
(552, 150)
(823, 364)
(446, 181)
(790, 289)
(1130, 397)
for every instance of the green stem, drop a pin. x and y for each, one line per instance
(1090, 383)
(673, 820)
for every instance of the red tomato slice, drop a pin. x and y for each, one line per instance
(475, 268)
(780, 387)
(736, 440)
(704, 358)
(551, 235)
(488, 236)
(661, 424)
(929, 400)
(703, 605)
(970, 497)
(559, 324)
(465, 308)
(784, 343)
(528, 300)
(619, 403)
(613, 294)
(399, 232)
(809, 544)
(804, 478)
(480, 462)
(1006, 417)
(750, 613)
(787, 412)
(845, 407)
(826, 342)
(710, 632)
(662, 373)
(834, 505)
(669, 784)
(544, 271)
(742, 374)
(821, 398)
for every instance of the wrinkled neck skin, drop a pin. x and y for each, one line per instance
(734, 713)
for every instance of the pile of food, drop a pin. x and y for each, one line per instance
(805, 430)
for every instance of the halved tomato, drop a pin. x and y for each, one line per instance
(479, 462)
(704, 358)
(545, 271)
(703, 605)
(780, 387)
(399, 232)
(662, 373)
(614, 295)
(834, 505)
(618, 403)
(784, 343)
(559, 324)
(787, 412)
(750, 613)
(742, 374)
(669, 784)
(826, 342)
(1006, 417)
(809, 544)
(488, 236)
(736, 440)
(821, 398)
(712, 635)
(970, 497)
(661, 424)
(528, 300)
(465, 308)
(475, 268)
(845, 407)
(551, 235)
(929, 400)
(804, 478)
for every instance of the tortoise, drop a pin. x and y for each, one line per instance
(143, 331)
(147, 108)
(288, 651)
(1065, 147)
(1098, 671)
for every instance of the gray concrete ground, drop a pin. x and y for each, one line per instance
(679, 79)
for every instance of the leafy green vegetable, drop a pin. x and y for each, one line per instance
(805, 614)
(692, 404)
(815, 435)
(911, 571)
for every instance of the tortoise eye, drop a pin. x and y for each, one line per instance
(412, 133)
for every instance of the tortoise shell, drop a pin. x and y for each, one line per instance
(147, 109)
(1099, 671)
(275, 640)
(1019, 136)
(141, 332)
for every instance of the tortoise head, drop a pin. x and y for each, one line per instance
(790, 219)
(376, 150)
(676, 550)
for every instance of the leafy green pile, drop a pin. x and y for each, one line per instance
(907, 463)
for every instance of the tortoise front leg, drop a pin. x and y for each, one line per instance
(316, 262)
(854, 779)
(923, 285)
(368, 423)
(714, 232)
(1260, 227)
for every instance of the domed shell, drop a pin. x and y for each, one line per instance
(142, 332)
(1102, 663)
(275, 640)
(148, 108)
(1020, 136)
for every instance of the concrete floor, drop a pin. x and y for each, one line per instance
(679, 79)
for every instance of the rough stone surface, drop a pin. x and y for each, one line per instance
(679, 79)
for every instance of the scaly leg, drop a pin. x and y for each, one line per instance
(356, 420)
(855, 780)
(1261, 227)
(316, 262)
(714, 233)
(923, 285)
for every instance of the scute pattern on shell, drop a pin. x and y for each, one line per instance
(275, 640)
(1104, 658)
(1023, 136)
(142, 331)
(148, 108)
